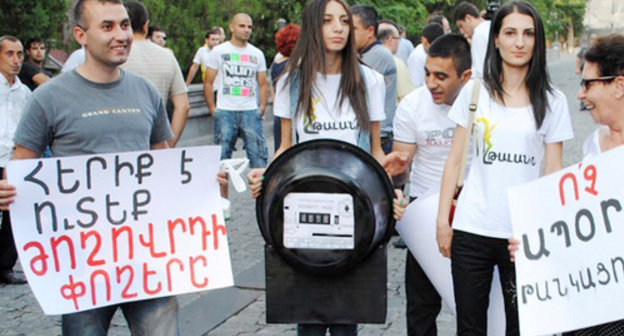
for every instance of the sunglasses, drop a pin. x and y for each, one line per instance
(586, 82)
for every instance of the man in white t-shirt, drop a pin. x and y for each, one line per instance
(423, 134)
(416, 61)
(477, 31)
(213, 38)
(241, 68)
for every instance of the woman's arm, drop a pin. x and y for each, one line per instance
(553, 157)
(444, 233)
(256, 175)
(375, 134)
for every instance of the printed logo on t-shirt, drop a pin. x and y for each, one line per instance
(105, 112)
(440, 137)
(239, 74)
(311, 126)
(490, 156)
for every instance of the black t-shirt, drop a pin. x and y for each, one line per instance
(29, 70)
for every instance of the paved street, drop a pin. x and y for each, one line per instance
(241, 310)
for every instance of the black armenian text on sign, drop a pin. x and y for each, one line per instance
(97, 230)
(570, 265)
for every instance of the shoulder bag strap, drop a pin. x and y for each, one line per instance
(476, 87)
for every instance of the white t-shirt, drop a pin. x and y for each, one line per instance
(201, 58)
(331, 121)
(237, 70)
(591, 146)
(416, 65)
(508, 151)
(478, 48)
(419, 120)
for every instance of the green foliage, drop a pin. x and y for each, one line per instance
(561, 16)
(26, 19)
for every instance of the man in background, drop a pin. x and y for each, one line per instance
(32, 73)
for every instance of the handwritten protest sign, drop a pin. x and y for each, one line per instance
(570, 266)
(97, 230)
(418, 230)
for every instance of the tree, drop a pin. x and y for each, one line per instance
(26, 19)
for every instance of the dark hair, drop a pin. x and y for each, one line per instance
(152, 29)
(439, 19)
(308, 58)
(466, 8)
(213, 31)
(537, 79)
(608, 53)
(33, 41)
(138, 15)
(400, 27)
(79, 10)
(8, 38)
(432, 31)
(455, 46)
(286, 38)
(367, 14)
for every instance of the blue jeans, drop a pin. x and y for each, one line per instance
(153, 317)
(229, 125)
(320, 329)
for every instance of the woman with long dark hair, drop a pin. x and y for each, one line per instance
(327, 94)
(520, 122)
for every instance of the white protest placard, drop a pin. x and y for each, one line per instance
(418, 230)
(570, 265)
(97, 230)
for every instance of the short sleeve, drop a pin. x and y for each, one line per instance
(557, 125)
(197, 57)
(161, 131)
(281, 103)
(212, 61)
(261, 62)
(32, 130)
(403, 130)
(459, 111)
(178, 86)
(376, 89)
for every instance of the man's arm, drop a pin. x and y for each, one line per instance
(263, 88)
(7, 191)
(191, 74)
(160, 145)
(211, 74)
(180, 115)
(40, 78)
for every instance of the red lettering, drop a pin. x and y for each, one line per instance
(591, 174)
(193, 261)
(150, 243)
(204, 233)
(55, 242)
(42, 258)
(84, 236)
(73, 291)
(561, 183)
(171, 262)
(116, 233)
(146, 274)
(119, 271)
(106, 282)
(171, 225)
(216, 228)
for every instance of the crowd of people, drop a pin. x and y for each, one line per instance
(345, 74)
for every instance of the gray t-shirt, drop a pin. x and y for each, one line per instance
(381, 60)
(78, 117)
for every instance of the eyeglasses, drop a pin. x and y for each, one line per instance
(586, 82)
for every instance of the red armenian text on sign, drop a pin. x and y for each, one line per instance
(97, 230)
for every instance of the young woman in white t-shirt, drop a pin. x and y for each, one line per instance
(521, 120)
(337, 98)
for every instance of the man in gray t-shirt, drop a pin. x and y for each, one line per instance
(99, 108)
(365, 22)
